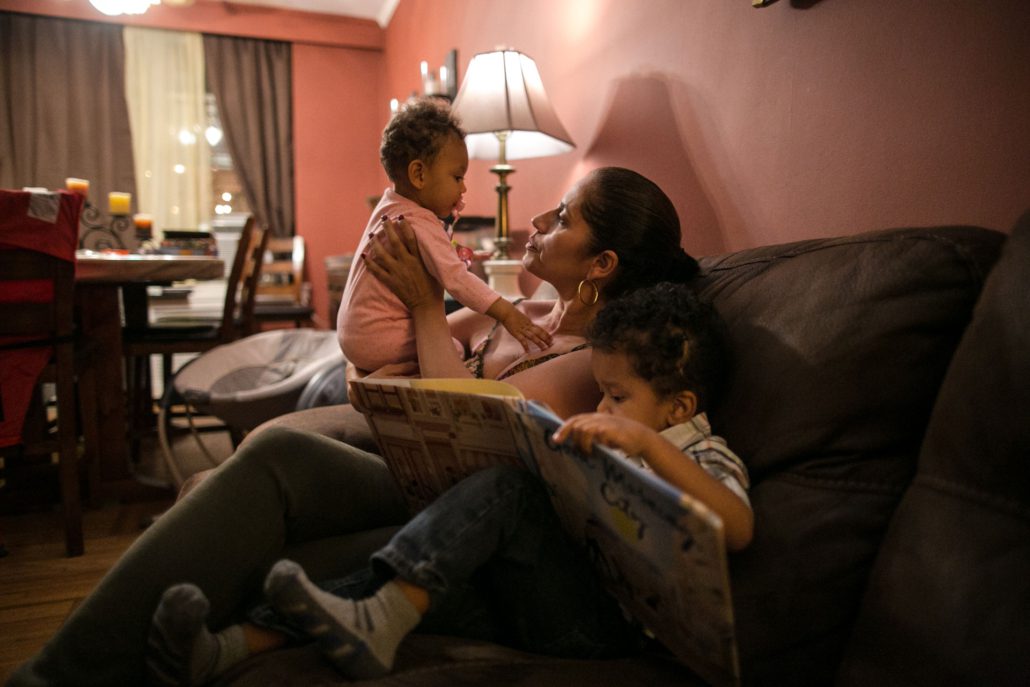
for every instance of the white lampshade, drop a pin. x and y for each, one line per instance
(502, 91)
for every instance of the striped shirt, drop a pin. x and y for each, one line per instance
(694, 437)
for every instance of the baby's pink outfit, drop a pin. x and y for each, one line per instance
(374, 327)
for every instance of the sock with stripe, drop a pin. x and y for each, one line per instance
(360, 637)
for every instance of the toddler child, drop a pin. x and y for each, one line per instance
(423, 152)
(493, 543)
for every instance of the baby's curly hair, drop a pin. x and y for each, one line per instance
(417, 132)
(674, 340)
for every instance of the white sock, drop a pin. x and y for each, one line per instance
(181, 650)
(359, 637)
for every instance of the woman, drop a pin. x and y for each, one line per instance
(326, 504)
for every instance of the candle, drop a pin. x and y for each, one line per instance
(80, 186)
(118, 203)
(144, 226)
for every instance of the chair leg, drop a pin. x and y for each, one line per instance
(68, 466)
(89, 418)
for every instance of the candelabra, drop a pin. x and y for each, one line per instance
(97, 232)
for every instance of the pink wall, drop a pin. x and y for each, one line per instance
(336, 145)
(764, 125)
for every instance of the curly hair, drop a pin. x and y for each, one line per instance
(674, 340)
(630, 215)
(416, 132)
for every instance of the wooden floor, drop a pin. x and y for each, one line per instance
(40, 585)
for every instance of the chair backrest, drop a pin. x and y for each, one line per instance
(282, 273)
(241, 289)
(36, 325)
(337, 270)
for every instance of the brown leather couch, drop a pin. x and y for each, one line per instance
(881, 398)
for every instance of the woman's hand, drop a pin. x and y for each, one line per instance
(395, 260)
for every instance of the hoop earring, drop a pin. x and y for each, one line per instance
(579, 292)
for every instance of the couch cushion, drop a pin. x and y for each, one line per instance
(949, 596)
(434, 661)
(840, 346)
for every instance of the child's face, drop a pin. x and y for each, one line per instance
(626, 394)
(444, 179)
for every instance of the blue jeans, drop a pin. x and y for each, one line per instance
(492, 555)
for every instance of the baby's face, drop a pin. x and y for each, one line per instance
(445, 178)
(626, 394)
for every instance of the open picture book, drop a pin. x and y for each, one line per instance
(660, 552)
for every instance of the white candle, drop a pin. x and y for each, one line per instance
(119, 203)
(80, 186)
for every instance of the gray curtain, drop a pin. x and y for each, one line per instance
(252, 83)
(62, 105)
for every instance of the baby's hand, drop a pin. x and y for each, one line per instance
(523, 329)
(613, 431)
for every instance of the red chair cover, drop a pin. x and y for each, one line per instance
(45, 223)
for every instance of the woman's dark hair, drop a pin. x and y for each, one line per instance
(417, 132)
(674, 340)
(628, 213)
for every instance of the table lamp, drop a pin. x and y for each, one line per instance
(504, 108)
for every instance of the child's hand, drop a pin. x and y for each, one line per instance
(523, 329)
(627, 435)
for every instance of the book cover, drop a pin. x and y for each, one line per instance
(660, 552)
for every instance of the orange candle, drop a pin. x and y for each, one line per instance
(80, 186)
(118, 203)
(143, 222)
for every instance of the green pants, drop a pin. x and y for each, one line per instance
(285, 493)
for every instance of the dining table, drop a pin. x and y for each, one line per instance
(111, 294)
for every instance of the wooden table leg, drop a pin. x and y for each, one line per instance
(100, 316)
(101, 321)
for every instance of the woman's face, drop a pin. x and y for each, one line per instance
(558, 250)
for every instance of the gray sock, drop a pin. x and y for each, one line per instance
(181, 651)
(359, 637)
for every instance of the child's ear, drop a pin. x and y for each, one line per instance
(683, 407)
(416, 173)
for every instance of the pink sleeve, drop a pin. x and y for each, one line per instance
(443, 263)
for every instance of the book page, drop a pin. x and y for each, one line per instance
(430, 438)
(661, 553)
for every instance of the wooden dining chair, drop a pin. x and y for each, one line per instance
(280, 292)
(36, 324)
(194, 335)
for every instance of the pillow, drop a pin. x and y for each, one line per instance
(840, 346)
(948, 599)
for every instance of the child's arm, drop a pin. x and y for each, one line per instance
(668, 462)
(518, 325)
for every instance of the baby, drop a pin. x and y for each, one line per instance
(423, 152)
